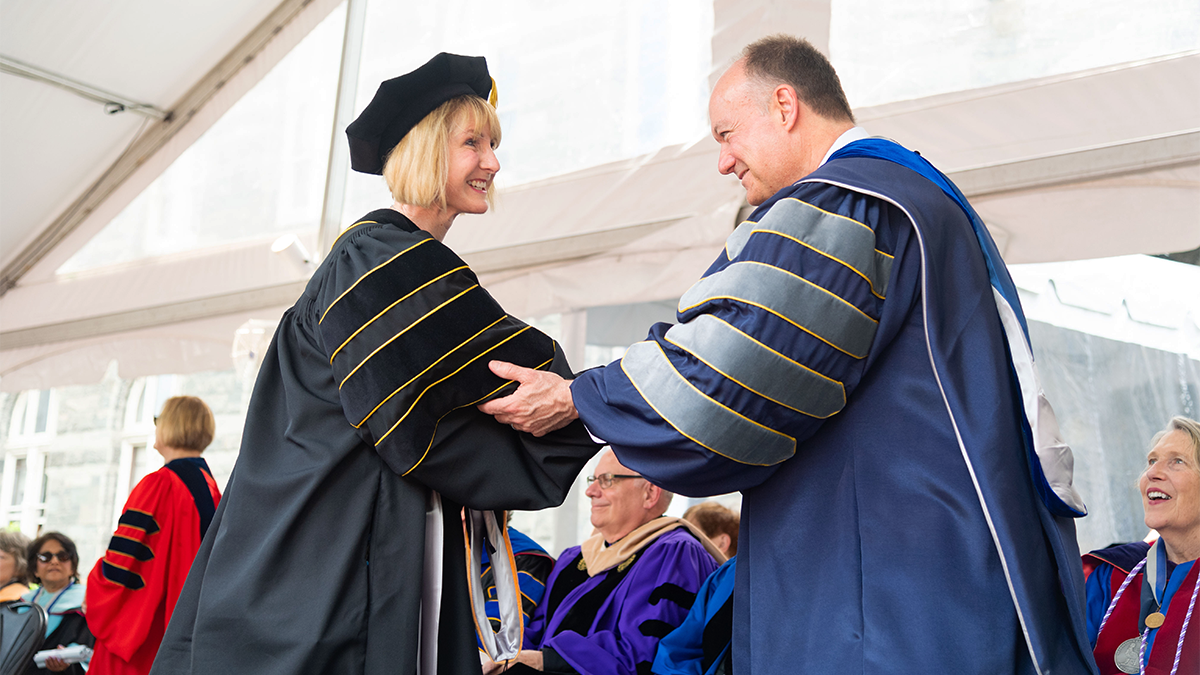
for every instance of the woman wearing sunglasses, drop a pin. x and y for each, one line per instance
(55, 562)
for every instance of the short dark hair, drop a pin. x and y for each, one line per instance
(784, 59)
(64, 541)
(712, 518)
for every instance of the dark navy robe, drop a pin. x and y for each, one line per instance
(365, 403)
(842, 363)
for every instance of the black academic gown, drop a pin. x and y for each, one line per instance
(314, 561)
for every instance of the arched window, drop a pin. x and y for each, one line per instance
(23, 484)
(138, 456)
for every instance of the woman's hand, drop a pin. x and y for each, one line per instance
(55, 664)
(541, 403)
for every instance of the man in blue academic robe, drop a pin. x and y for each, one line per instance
(855, 363)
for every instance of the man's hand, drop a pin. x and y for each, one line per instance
(529, 657)
(541, 403)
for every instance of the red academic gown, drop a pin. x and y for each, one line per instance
(132, 590)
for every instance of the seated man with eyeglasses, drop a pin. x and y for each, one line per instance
(609, 601)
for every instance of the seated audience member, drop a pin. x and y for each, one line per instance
(700, 646)
(132, 590)
(719, 523)
(14, 568)
(1141, 597)
(609, 601)
(533, 567)
(55, 562)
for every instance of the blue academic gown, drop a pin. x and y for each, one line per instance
(701, 642)
(842, 364)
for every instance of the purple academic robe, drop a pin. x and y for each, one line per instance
(610, 624)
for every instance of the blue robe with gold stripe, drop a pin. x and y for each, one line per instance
(842, 363)
(365, 403)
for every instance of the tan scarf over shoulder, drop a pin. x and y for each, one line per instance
(600, 558)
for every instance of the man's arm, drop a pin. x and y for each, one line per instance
(770, 344)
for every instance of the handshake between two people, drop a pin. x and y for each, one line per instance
(542, 402)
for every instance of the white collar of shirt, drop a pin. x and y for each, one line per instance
(853, 134)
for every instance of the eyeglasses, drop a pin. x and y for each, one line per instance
(46, 556)
(606, 479)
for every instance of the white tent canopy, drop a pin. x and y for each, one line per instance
(1088, 164)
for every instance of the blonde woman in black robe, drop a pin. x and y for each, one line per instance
(338, 547)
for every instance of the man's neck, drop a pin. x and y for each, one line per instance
(616, 536)
(815, 142)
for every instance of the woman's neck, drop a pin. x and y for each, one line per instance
(54, 589)
(1182, 549)
(170, 454)
(436, 222)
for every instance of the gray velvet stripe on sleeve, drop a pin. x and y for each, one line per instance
(836, 237)
(757, 367)
(699, 417)
(795, 299)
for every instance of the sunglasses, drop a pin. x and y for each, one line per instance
(46, 556)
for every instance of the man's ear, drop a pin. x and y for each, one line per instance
(721, 541)
(653, 495)
(785, 107)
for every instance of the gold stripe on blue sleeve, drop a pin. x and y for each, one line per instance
(758, 368)
(795, 299)
(836, 237)
(699, 417)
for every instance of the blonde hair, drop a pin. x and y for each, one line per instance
(1189, 427)
(416, 170)
(186, 423)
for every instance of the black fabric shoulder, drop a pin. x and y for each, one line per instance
(409, 331)
(194, 472)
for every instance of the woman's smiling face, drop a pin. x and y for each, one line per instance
(1170, 487)
(471, 167)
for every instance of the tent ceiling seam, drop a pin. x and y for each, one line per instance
(150, 141)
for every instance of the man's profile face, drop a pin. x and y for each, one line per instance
(749, 139)
(618, 510)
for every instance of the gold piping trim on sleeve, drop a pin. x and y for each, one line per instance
(718, 403)
(405, 330)
(768, 309)
(797, 276)
(347, 230)
(752, 222)
(439, 360)
(747, 387)
(466, 405)
(389, 307)
(830, 213)
(832, 257)
(369, 273)
(446, 377)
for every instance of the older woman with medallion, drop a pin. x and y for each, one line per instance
(1142, 613)
(362, 441)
